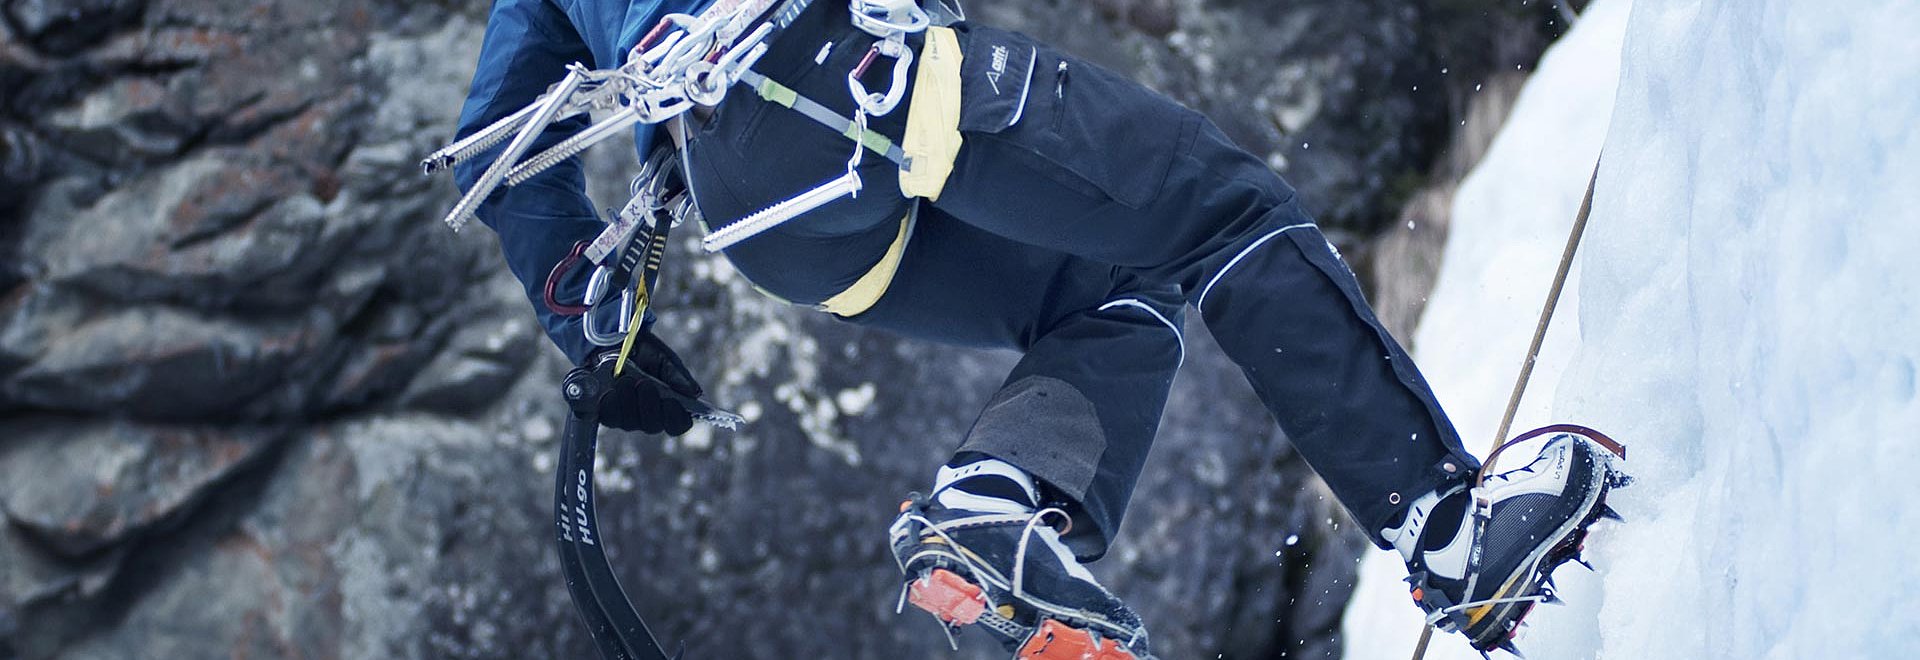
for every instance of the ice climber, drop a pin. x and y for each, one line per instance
(1058, 209)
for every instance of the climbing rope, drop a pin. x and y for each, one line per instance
(1500, 443)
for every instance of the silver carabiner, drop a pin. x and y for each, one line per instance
(707, 84)
(876, 104)
(888, 18)
(597, 290)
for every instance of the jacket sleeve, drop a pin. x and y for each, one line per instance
(527, 46)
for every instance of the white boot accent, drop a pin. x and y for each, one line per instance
(1451, 562)
(954, 498)
(1447, 562)
(1406, 537)
(1546, 475)
(1060, 552)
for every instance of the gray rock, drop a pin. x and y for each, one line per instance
(256, 401)
(58, 26)
(33, 577)
(19, 170)
(1351, 100)
(79, 487)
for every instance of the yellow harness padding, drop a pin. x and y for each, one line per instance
(931, 143)
(867, 290)
(933, 117)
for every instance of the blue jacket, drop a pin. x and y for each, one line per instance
(527, 46)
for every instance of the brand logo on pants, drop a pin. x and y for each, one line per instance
(999, 68)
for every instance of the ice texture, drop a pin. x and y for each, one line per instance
(1746, 309)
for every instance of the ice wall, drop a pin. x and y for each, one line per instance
(1747, 304)
(1510, 222)
(1747, 319)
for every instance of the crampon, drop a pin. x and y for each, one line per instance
(960, 586)
(1520, 572)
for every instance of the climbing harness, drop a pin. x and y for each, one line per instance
(891, 21)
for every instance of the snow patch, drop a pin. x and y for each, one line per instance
(855, 401)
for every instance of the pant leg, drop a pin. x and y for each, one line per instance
(1081, 409)
(1101, 344)
(1081, 161)
(1098, 166)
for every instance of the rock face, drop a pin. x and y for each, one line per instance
(256, 402)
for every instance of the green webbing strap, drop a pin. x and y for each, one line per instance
(878, 143)
(774, 92)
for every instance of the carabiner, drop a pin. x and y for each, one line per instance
(598, 288)
(560, 272)
(875, 104)
(888, 18)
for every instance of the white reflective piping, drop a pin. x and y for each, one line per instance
(1202, 303)
(1026, 91)
(1177, 335)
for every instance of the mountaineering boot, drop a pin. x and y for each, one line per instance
(1479, 559)
(981, 551)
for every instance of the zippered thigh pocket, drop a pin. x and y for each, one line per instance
(1087, 127)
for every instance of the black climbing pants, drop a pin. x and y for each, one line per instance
(1083, 214)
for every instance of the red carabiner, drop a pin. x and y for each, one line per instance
(560, 271)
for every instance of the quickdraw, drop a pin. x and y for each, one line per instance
(684, 60)
(628, 253)
(687, 61)
(631, 247)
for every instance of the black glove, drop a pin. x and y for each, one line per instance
(643, 395)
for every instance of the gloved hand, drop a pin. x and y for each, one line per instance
(642, 397)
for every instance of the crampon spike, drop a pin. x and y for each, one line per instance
(952, 643)
(1608, 513)
(948, 597)
(1583, 562)
(1510, 648)
(1059, 641)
